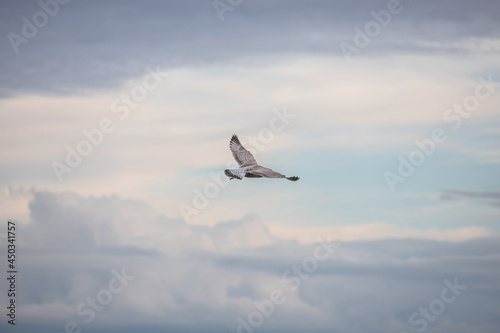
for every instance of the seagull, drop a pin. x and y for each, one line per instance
(248, 165)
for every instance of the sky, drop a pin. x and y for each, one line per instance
(115, 121)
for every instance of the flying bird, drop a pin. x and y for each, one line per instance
(248, 165)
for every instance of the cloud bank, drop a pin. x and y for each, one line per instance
(187, 278)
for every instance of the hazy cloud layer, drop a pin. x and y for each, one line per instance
(91, 45)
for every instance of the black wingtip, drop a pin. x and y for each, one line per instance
(235, 138)
(293, 179)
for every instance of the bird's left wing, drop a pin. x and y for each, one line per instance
(240, 154)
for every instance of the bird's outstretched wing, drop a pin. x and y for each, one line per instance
(268, 173)
(240, 154)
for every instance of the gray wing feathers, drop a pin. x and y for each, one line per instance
(266, 172)
(240, 154)
(260, 171)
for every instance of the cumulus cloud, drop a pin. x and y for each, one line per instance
(108, 223)
(197, 277)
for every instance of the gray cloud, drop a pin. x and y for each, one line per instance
(489, 198)
(192, 278)
(92, 45)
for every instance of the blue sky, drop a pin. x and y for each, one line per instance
(116, 119)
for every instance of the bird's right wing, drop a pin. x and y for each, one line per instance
(240, 154)
(261, 171)
(266, 172)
